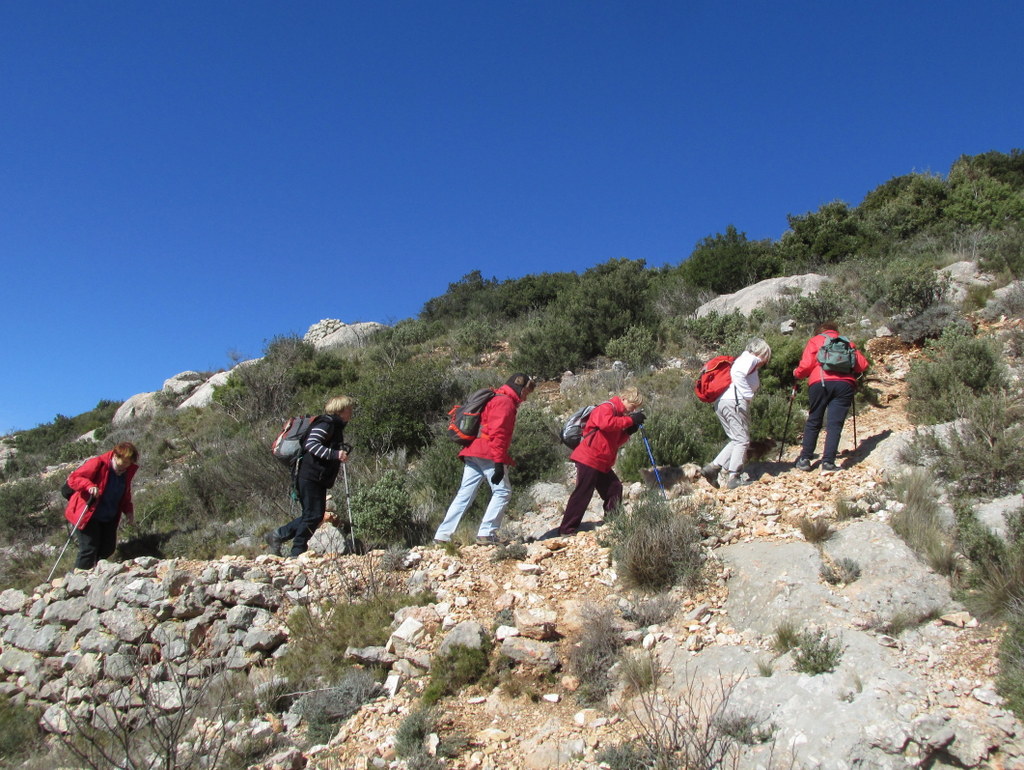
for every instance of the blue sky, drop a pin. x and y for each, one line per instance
(182, 181)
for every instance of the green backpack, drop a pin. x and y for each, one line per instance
(837, 355)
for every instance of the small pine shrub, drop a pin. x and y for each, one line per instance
(637, 348)
(656, 548)
(460, 667)
(382, 512)
(816, 653)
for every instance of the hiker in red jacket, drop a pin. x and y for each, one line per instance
(102, 494)
(486, 458)
(609, 427)
(831, 395)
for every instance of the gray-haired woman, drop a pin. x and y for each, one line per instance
(733, 410)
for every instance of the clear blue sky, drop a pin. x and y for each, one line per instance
(183, 180)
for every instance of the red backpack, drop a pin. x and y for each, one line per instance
(714, 379)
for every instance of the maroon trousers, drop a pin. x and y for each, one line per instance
(587, 481)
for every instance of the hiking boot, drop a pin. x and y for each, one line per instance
(710, 472)
(737, 481)
(491, 539)
(274, 542)
(828, 467)
(803, 464)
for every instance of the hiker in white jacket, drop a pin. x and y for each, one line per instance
(733, 410)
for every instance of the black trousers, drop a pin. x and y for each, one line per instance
(589, 480)
(829, 403)
(96, 541)
(313, 498)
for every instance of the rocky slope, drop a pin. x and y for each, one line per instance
(923, 697)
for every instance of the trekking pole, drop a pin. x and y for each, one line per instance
(654, 465)
(88, 504)
(348, 505)
(789, 413)
(854, 423)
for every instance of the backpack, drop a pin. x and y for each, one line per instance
(464, 419)
(837, 355)
(576, 426)
(287, 447)
(714, 379)
(66, 491)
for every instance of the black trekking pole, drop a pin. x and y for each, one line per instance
(854, 423)
(789, 413)
(654, 465)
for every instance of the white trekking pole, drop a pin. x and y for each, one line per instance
(348, 505)
(88, 504)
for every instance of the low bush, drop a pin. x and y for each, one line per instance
(382, 512)
(652, 610)
(840, 572)
(919, 522)
(19, 731)
(814, 530)
(816, 653)
(1010, 677)
(324, 709)
(637, 348)
(596, 649)
(980, 453)
(23, 509)
(460, 667)
(959, 367)
(654, 547)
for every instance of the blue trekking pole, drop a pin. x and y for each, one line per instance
(654, 465)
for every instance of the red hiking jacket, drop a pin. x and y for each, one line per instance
(604, 436)
(811, 369)
(94, 472)
(497, 422)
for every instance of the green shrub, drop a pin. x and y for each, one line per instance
(460, 667)
(959, 367)
(474, 337)
(1010, 677)
(23, 508)
(324, 709)
(654, 547)
(929, 324)
(382, 512)
(726, 262)
(817, 653)
(19, 730)
(980, 453)
(714, 331)
(42, 446)
(319, 636)
(637, 348)
(829, 303)
(595, 651)
(905, 286)
(412, 733)
(690, 432)
(535, 447)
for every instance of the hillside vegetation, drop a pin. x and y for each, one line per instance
(208, 485)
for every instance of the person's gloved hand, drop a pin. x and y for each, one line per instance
(499, 473)
(638, 418)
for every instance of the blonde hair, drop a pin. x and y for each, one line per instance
(339, 404)
(632, 396)
(127, 452)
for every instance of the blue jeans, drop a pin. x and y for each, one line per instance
(829, 402)
(477, 470)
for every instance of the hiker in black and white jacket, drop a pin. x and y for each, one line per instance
(324, 450)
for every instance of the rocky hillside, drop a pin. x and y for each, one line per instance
(912, 673)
